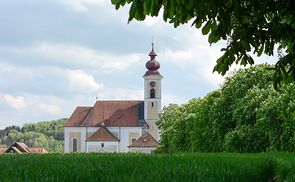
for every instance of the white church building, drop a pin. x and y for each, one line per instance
(118, 125)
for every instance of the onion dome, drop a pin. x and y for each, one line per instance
(152, 65)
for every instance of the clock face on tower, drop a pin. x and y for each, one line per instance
(152, 84)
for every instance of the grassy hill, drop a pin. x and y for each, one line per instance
(48, 134)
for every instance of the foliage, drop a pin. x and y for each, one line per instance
(48, 134)
(247, 26)
(142, 167)
(245, 115)
(246, 139)
(174, 121)
(205, 135)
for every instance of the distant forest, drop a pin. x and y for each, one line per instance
(48, 134)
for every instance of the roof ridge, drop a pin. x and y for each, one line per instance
(108, 111)
(85, 106)
(101, 129)
(145, 136)
(109, 132)
(84, 119)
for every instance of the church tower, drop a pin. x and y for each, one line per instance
(152, 94)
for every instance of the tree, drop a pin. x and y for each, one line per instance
(245, 115)
(246, 25)
(206, 133)
(173, 124)
(48, 134)
(276, 115)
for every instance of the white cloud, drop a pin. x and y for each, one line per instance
(50, 109)
(81, 5)
(168, 98)
(181, 57)
(199, 60)
(151, 21)
(81, 80)
(71, 55)
(121, 94)
(38, 108)
(16, 102)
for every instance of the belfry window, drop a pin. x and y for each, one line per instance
(152, 93)
(75, 145)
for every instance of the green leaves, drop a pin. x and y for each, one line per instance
(136, 10)
(197, 22)
(258, 25)
(147, 6)
(206, 28)
(284, 71)
(245, 115)
(220, 67)
(260, 50)
(213, 38)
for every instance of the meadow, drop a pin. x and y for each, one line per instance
(156, 167)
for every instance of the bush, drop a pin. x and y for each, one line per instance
(247, 138)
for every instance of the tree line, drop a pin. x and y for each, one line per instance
(48, 134)
(245, 115)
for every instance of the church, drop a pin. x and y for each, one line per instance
(119, 125)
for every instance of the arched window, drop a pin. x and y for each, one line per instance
(152, 93)
(75, 145)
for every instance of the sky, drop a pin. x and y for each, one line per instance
(56, 55)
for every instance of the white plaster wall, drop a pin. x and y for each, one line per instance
(124, 141)
(147, 100)
(147, 87)
(67, 130)
(66, 140)
(111, 129)
(123, 135)
(142, 150)
(108, 146)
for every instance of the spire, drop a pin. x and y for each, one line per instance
(152, 65)
(153, 54)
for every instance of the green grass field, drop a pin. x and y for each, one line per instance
(156, 167)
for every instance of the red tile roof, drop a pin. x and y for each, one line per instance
(38, 150)
(2, 149)
(109, 113)
(145, 141)
(21, 148)
(15, 149)
(78, 116)
(102, 134)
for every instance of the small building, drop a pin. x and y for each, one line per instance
(21, 148)
(119, 125)
(144, 144)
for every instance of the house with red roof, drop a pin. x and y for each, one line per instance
(21, 148)
(119, 125)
